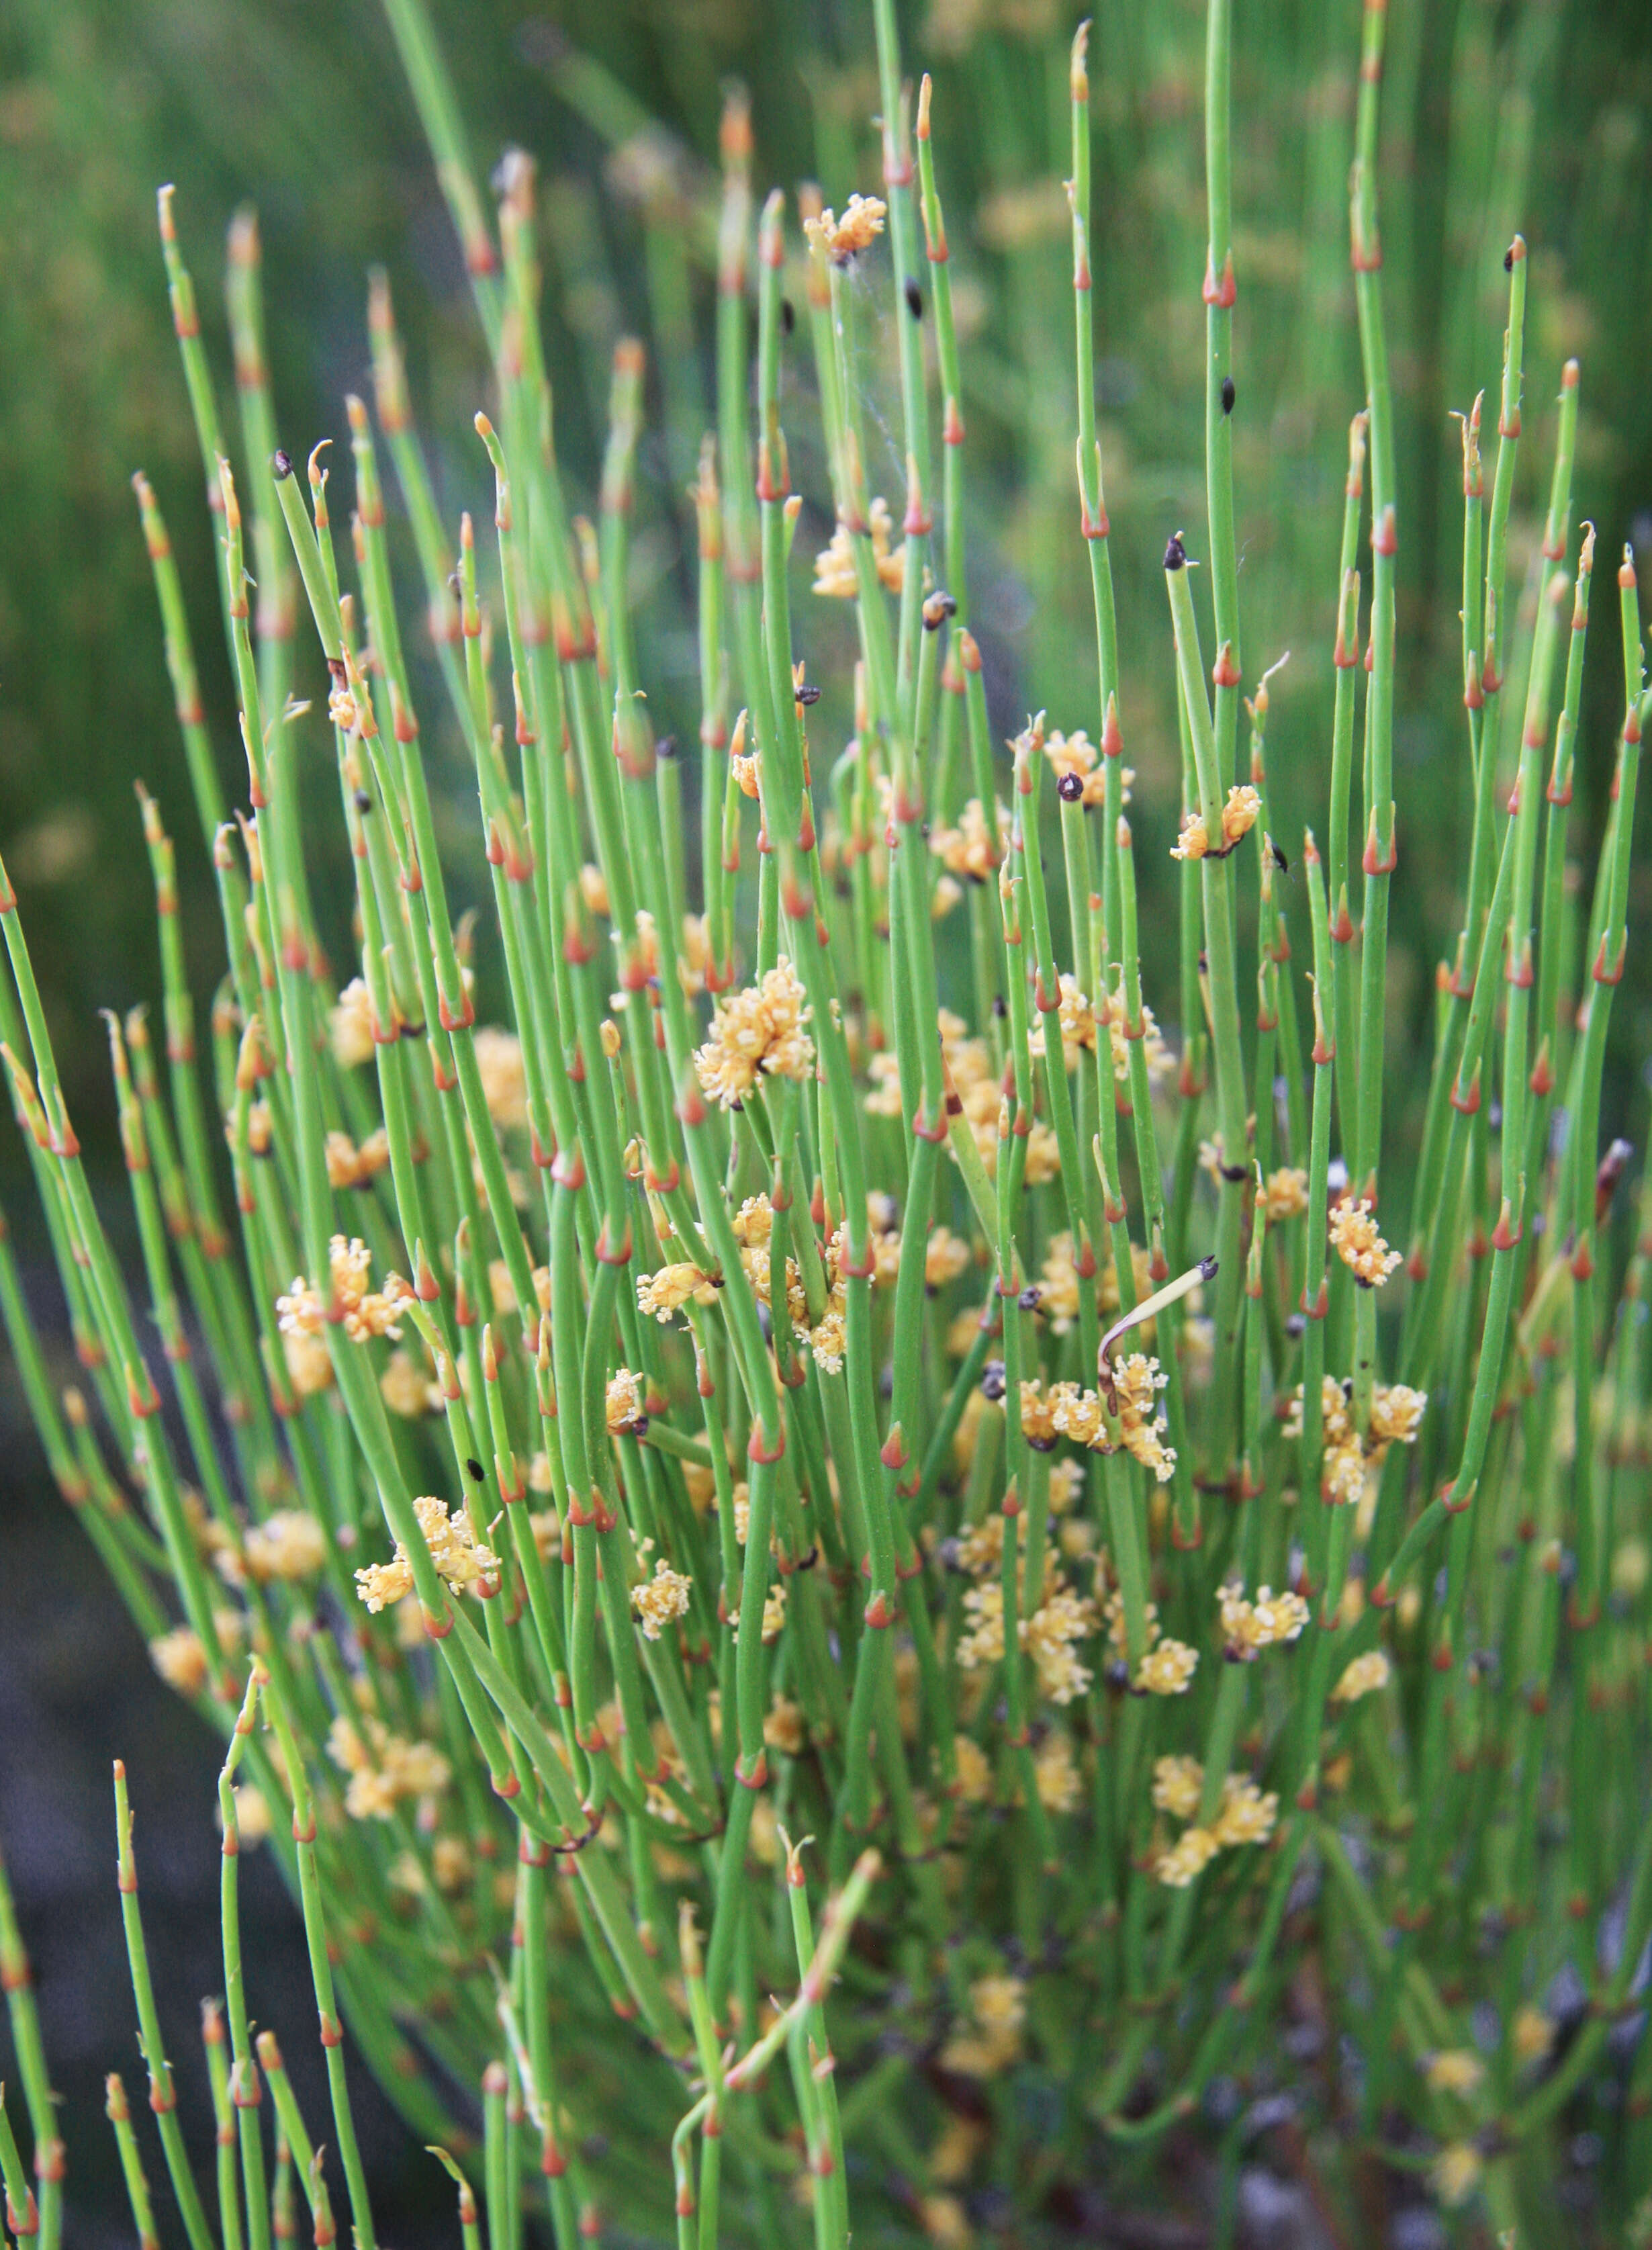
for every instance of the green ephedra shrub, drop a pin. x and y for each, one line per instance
(832, 1554)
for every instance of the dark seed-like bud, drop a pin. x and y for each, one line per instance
(1028, 1299)
(914, 300)
(1001, 1006)
(1227, 393)
(808, 695)
(1206, 1269)
(1295, 1325)
(992, 1380)
(788, 314)
(1070, 788)
(476, 1471)
(1508, 260)
(283, 463)
(363, 802)
(1175, 553)
(666, 746)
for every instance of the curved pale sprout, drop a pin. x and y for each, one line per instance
(1147, 1310)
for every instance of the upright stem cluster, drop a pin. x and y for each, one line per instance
(743, 1391)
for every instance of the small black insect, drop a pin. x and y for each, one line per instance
(1227, 393)
(282, 463)
(914, 300)
(1175, 553)
(363, 802)
(806, 696)
(1276, 855)
(1070, 788)
(477, 1472)
(1028, 1299)
(788, 314)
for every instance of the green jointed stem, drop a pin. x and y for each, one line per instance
(21, 2212)
(203, 774)
(438, 113)
(120, 2116)
(163, 2099)
(304, 1837)
(223, 2114)
(17, 1981)
(1339, 989)
(1092, 506)
(1220, 389)
(1546, 1020)
(245, 2088)
(915, 399)
(1216, 875)
(1380, 852)
(1606, 971)
(307, 2160)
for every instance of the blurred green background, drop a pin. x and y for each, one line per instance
(1496, 113)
